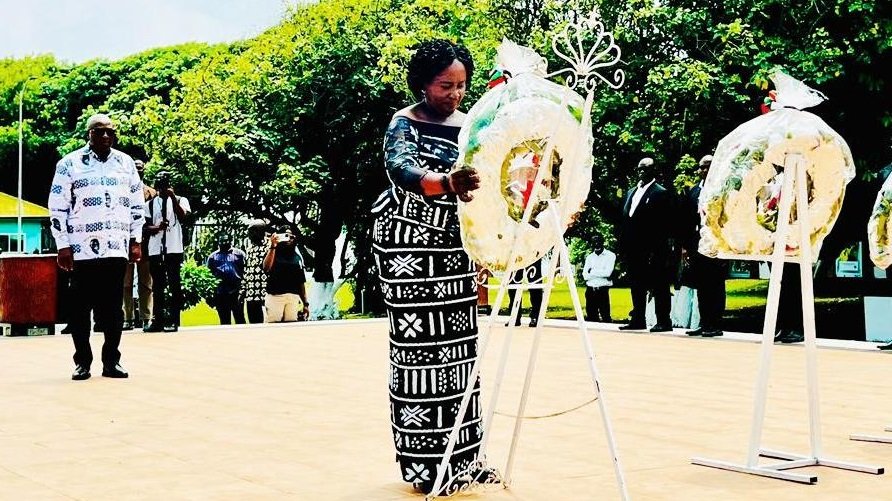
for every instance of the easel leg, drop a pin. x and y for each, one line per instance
(808, 306)
(777, 269)
(596, 380)
(531, 365)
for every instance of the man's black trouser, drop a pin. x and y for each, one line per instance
(166, 273)
(97, 285)
(648, 273)
(789, 308)
(255, 312)
(710, 276)
(229, 306)
(533, 274)
(597, 304)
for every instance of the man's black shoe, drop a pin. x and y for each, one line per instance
(633, 327)
(695, 332)
(171, 328)
(792, 336)
(534, 322)
(712, 333)
(127, 326)
(97, 327)
(66, 329)
(80, 373)
(153, 327)
(116, 372)
(885, 346)
(661, 328)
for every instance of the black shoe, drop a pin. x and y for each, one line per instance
(712, 333)
(695, 332)
(127, 326)
(633, 327)
(66, 329)
(661, 328)
(534, 322)
(97, 327)
(116, 372)
(792, 336)
(171, 328)
(885, 346)
(80, 373)
(153, 327)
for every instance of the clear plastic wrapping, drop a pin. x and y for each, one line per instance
(506, 137)
(879, 226)
(739, 202)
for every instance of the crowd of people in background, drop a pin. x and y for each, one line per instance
(672, 284)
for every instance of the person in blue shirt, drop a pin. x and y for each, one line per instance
(228, 265)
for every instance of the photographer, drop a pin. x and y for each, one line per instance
(286, 293)
(165, 215)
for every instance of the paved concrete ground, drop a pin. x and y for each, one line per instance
(300, 412)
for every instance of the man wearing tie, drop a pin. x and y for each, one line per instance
(645, 244)
(708, 273)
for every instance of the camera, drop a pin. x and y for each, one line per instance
(284, 237)
(162, 180)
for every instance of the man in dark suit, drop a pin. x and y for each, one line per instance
(645, 244)
(707, 274)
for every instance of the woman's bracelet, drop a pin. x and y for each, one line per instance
(444, 183)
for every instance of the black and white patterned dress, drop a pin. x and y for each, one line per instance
(429, 288)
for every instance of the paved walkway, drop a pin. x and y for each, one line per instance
(300, 412)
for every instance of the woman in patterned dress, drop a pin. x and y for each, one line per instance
(427, 279)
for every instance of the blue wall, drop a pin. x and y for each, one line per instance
(30, 227)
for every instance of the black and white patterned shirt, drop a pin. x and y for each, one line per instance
(96, 207)
(254, 283)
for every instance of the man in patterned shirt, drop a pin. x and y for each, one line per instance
(96, 211)
(254, 284)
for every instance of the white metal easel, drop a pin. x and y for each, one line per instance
(583, 74)
(795, 181)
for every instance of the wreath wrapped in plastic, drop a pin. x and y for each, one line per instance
(739, 202)
(879, 227)
(521, 125)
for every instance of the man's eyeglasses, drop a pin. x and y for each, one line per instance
(99, 132)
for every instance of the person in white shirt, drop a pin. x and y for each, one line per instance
(596, 273)
(96, 214)
(165, 215)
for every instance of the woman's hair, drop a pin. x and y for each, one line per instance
(431, 58)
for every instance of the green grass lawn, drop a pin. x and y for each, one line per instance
(741, 294)
(837, 317)
(202, 314)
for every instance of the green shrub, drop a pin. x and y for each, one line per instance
(198, 283)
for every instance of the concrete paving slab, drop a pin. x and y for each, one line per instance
(300, 412)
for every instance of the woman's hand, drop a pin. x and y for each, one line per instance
(273, 240)
(463, 181)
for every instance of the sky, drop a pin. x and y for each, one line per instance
(77, 30)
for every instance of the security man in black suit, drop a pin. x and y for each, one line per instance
(707, 274)
(646, 229)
